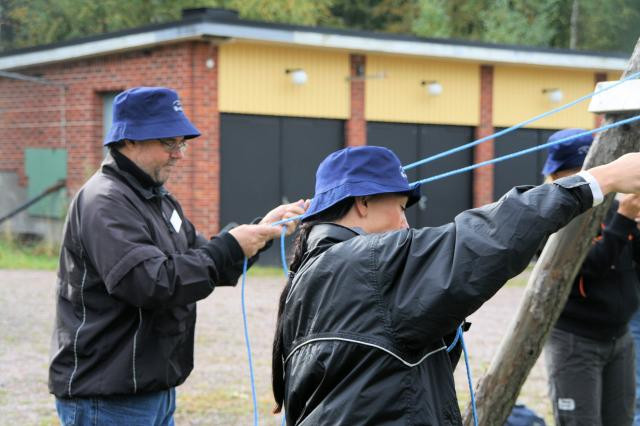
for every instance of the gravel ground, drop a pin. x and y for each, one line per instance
(218, 390)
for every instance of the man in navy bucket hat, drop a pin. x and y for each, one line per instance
(132, 267)
(589, 354)
(371, 304)
(144, 113)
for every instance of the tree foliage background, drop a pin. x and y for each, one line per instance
(611, 25)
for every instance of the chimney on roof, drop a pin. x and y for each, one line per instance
(210, 13)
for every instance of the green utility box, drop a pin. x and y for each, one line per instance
(44, 167)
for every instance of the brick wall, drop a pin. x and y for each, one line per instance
(483, 176)
(356, 126)
(30, 114)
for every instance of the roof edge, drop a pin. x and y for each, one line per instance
(204, 25)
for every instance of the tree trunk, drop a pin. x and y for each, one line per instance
(573, 25)
(549, 284)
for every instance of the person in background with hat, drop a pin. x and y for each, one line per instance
(361, 321)
(132, 267)
(589, 354)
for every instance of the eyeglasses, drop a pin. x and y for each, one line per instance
(173, 146)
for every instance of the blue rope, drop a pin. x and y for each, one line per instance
(246, 339)
(455, 341)
(285, 269)
(474, 409)
(503, 158)
(466, 361)
(526, 151)
(244, 321)
(291, 219)
(283, 254)
(517, 126)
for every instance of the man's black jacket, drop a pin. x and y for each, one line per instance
(131, 269)
(366, 314)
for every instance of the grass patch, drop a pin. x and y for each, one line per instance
(49, 420)
(228, 403)
(521, 279)
(265, 271)
(14, 255)
(223, 401)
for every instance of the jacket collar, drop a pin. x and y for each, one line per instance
(324, 235)
(109, 165)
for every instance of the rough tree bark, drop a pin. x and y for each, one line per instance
(549, 284)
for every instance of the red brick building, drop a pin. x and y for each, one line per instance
(263, 135)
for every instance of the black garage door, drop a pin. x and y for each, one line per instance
(442, 199)
(523, 170)
(269, 160)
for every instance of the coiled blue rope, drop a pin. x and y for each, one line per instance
(519, 125)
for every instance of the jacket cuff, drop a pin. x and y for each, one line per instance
(621, 226)
(596, 191)
(224, 251)
(579, 189)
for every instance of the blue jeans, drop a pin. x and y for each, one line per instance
(155, 408)
(634, 327)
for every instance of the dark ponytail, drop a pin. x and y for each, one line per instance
(335, 212)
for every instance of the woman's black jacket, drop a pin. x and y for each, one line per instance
(365, 315)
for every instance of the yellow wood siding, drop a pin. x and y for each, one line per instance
(611, 76)
(399, 97)
(252, 80)
(518, 96)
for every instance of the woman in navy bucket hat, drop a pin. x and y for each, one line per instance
(355, 172)
(371, 304)
(589, 354)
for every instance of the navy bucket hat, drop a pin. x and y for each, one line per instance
(359, 171)
(145, 113)
(567, 155)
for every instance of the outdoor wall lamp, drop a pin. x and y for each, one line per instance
(298, 75)
(433, 87)
(554, 95)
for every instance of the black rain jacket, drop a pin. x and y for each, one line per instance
(131, 269)
(365, 316)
